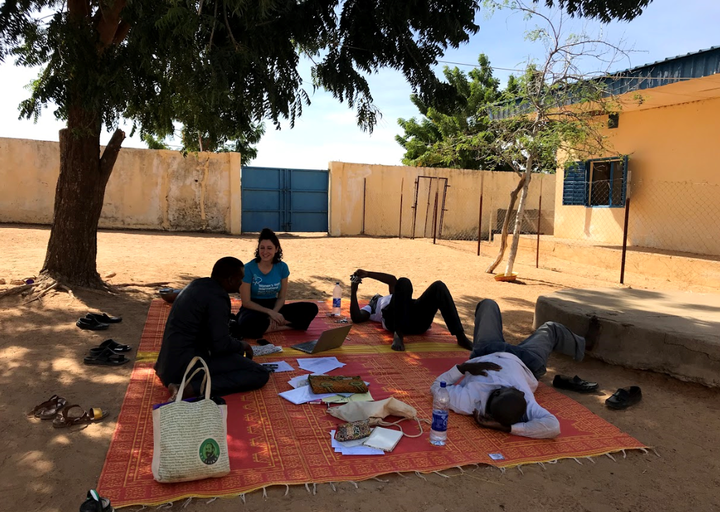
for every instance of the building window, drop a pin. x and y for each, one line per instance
(601, 182)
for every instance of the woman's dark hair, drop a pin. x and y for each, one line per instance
(269, 234)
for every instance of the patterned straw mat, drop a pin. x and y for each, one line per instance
(274, 442)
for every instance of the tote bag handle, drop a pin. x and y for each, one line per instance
(208, 383)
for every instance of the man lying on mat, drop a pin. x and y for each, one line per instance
(400, 314)
(500, 379)
(198, 326)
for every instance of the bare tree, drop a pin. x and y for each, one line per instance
(559, 109)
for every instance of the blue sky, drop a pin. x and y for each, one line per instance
(327, 130)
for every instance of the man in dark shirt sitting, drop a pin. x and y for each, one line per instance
(198, 326)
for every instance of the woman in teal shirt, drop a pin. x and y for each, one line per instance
(263, 293)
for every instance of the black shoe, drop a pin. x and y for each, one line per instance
(104, 318)
(91, 324)
(112, 345)
(624, 398)
(574, 384)
(96, 503)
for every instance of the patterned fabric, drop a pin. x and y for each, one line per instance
(336, 384)
(352, 431)
(272, 442)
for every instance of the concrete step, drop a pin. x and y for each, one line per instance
(676, 333)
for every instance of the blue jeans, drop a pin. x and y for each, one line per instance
(534, 351)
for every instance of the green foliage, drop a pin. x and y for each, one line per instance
(242, 142)
(222, 67)
(153, 142)
(444, 136)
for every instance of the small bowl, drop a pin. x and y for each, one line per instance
(169, 294)
(504, 277)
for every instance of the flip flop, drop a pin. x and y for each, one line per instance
(112, 345)
(574, 384)
(624, 398)
(107, 358)
(49, 408)
(103, 318)
(96, 503)
(66, 418)
(91, 324)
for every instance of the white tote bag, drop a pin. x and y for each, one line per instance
(190, 438)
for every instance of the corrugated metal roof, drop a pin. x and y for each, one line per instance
(655, 74)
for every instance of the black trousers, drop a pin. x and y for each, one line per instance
(231, 373)
(253, 324)
(406, 315)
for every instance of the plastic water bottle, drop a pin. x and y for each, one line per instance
(337, 299)
(441, 404)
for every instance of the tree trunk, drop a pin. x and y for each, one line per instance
(79, 195)
(519, 217)
(506, 223)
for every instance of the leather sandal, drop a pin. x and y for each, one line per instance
(106, 358)
(624, 398)
(75, 415)
(49, 408)
(112, 345)
(103, 318)
(91, 324)
(574, 384)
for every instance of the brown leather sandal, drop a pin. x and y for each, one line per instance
(69, 416)
(49, 408)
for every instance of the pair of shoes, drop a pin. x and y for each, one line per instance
(96, 503)
(112, 345)
(624, 398)
(107, 356)
(49, 408)
(97, 322)
(574, 384)
(71, 415)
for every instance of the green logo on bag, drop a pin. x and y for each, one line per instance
(209, 451)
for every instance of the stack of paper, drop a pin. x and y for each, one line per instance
(303, 394)
(353, 447)
(319, 364)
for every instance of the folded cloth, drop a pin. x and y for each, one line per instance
(336, 384)
(265, 350)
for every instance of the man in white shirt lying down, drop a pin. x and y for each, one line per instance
(499, 379)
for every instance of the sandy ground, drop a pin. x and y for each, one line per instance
(41, 353)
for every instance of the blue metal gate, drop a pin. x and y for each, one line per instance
(284, 199)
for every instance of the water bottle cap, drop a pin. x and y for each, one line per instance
(443, 385)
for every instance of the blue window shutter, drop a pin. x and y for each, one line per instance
(625, 179)
(575, 186)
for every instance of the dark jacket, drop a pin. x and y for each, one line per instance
(197, 326)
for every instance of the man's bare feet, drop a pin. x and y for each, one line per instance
(464, 342)
(398, 343)
(188, 392)
(593, 333)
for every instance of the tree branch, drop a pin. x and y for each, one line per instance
(109, 156)
(108, 24)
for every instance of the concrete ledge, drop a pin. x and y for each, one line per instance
(676, 333)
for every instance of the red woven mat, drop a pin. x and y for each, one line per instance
(273, 442)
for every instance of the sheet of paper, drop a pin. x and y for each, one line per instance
(319, 364)
(301, 380)
(354, 397)
(302, 395)
(282, 366)
(352, 450)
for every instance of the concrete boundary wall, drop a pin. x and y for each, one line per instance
(379, 188)
(148, 189)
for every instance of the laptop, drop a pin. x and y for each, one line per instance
(332, 338)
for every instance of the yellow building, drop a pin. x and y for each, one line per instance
(666, 161)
